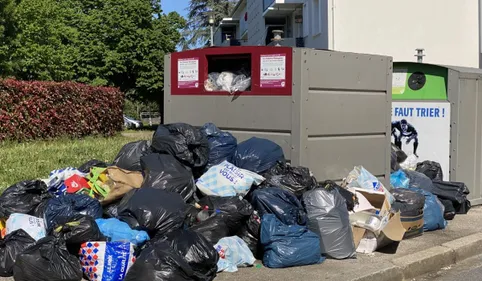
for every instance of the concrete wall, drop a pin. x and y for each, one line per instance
(448, 30)
(256, 24)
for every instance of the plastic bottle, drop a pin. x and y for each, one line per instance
(203, 215)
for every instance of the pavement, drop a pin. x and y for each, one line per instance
(462, 239)
(430, 252)
(470, 269)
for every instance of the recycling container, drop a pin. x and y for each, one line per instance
(442, 106)
(329, 111)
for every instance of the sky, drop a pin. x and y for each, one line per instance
(175, 5)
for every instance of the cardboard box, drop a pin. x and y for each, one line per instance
(392, 231)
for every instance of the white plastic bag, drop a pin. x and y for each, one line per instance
(233, 253)
(359, 177)
(35, 227)
(410, 163)
(226, 180)
(225, 80)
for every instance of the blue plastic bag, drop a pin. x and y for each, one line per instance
(282, 203)
(258, 155)
(233, 252)
(118, 231)
(222, 145)
(433, 211)
(399, 179)
(69, 205)
(288, 245)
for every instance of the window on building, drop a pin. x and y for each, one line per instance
(316, 17)
(306, 20)
(228, 33)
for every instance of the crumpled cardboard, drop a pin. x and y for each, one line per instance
(392, 230)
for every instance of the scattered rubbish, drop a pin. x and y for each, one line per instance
(328, 217)
(288, 245)
(226, 179)
(163, 171)
(257, 155)
(10, 247)
(129, 156)
(118, 231)
(35, 227)
(105, 261)
(233, 253)
(283, 204)
(222, 145)
(47, 260)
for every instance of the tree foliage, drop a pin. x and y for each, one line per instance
(101, 42)
(197, 31)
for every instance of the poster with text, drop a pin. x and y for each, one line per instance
(273, 71)
(423, 129)
(188, 73)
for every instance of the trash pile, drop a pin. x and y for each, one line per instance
(193, 202)
(228, 81)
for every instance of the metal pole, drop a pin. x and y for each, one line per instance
(419, 55)
(212, 35)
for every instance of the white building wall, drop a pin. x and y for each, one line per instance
(448, 30)
(256, 24)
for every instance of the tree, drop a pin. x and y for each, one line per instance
(197, 31)
(102, 42)
(7, 34)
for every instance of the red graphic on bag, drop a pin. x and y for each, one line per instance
(76, 183)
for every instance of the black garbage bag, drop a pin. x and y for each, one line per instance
(431, 169)
(85, 168)
(222, 145)
(13, 245)
(197, 251)
(257, 155)
(76, 230)
(23, 197)
(419, 180)
(350, 198)
(397, 157)
(234, 210)
(69, 205)
(250, 233)
(449, 212)
(283, 204)
(39, 212)
(159, 262)
(409, 203)
(110, 210)
(155, 211)
(163, 171)
(296, 180)
(47, 260)
(213, 229)
(182, 141)
(129, 156)
(456, 192)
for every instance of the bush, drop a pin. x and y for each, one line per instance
(40, 110)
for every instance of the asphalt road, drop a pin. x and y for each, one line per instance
(468, 270)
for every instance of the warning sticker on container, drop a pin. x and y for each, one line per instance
(273, 71)
(188, 73)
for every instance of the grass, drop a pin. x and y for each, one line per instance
(35, 160)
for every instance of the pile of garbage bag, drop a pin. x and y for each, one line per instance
(228, 82)
(192, 203)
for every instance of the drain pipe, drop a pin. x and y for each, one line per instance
(480, 33)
